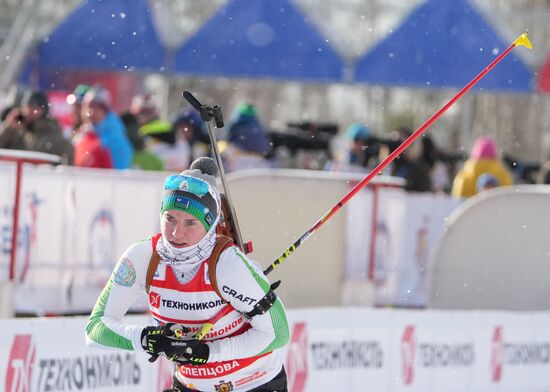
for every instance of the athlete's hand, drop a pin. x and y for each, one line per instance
(193, 351)
(164, 340)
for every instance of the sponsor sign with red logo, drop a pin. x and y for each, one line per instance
(330, 349)
(20, 364)
(320, 354)
(431, 359)
(296, 362)
(51, 355)
(408, 351)
(517, 358)
(496, 355)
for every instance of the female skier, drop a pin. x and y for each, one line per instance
(240, 352)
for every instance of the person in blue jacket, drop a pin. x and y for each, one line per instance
(96, 110)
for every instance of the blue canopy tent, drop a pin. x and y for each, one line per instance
(114, 35)
(260, 39)
(443, 43)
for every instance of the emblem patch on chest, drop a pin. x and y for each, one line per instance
(125, 274)
(224, 386)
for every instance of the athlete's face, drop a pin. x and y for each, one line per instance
(181, 229)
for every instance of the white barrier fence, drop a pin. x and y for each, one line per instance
(497, 243)
(73, 226)
(407, 228)
(345, 349)
(74, 223)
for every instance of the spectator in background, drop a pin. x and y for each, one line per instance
(144, 107)
(410, 165)
(87, 144)
(160, 137)
(358, 135)
(523, 172)
(483, 159)
(247, 143)
(439, 171)
(543, 174)
(12, 129)
(190, 125)
(88, 151)
(359, 151)
(75, 100)
(486, 181)
(96, 111)
(42, 132)
(143, 158)
(364, 148)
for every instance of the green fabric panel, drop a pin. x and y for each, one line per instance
(98, 331)
(276, 312)
(280, 325)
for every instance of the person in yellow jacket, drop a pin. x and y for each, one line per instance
(160, 136)
(483, 160)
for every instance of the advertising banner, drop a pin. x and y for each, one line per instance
(355, 349)
(51, 355)
(330, 349)
(338, 354)
(430, 352)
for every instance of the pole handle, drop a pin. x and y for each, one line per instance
(207, 113)
(192, 100)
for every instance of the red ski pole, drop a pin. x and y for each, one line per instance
(522, 40)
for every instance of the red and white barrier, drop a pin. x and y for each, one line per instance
(344, 349)
(51, 355)
(357, 349)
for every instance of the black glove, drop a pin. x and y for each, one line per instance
(192, 351)
(164, 340)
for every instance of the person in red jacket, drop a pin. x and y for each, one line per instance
(88, 151)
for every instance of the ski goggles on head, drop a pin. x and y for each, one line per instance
(178, 182)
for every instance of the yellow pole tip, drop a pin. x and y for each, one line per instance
(523, 40)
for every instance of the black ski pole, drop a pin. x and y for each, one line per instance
(213, 114)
